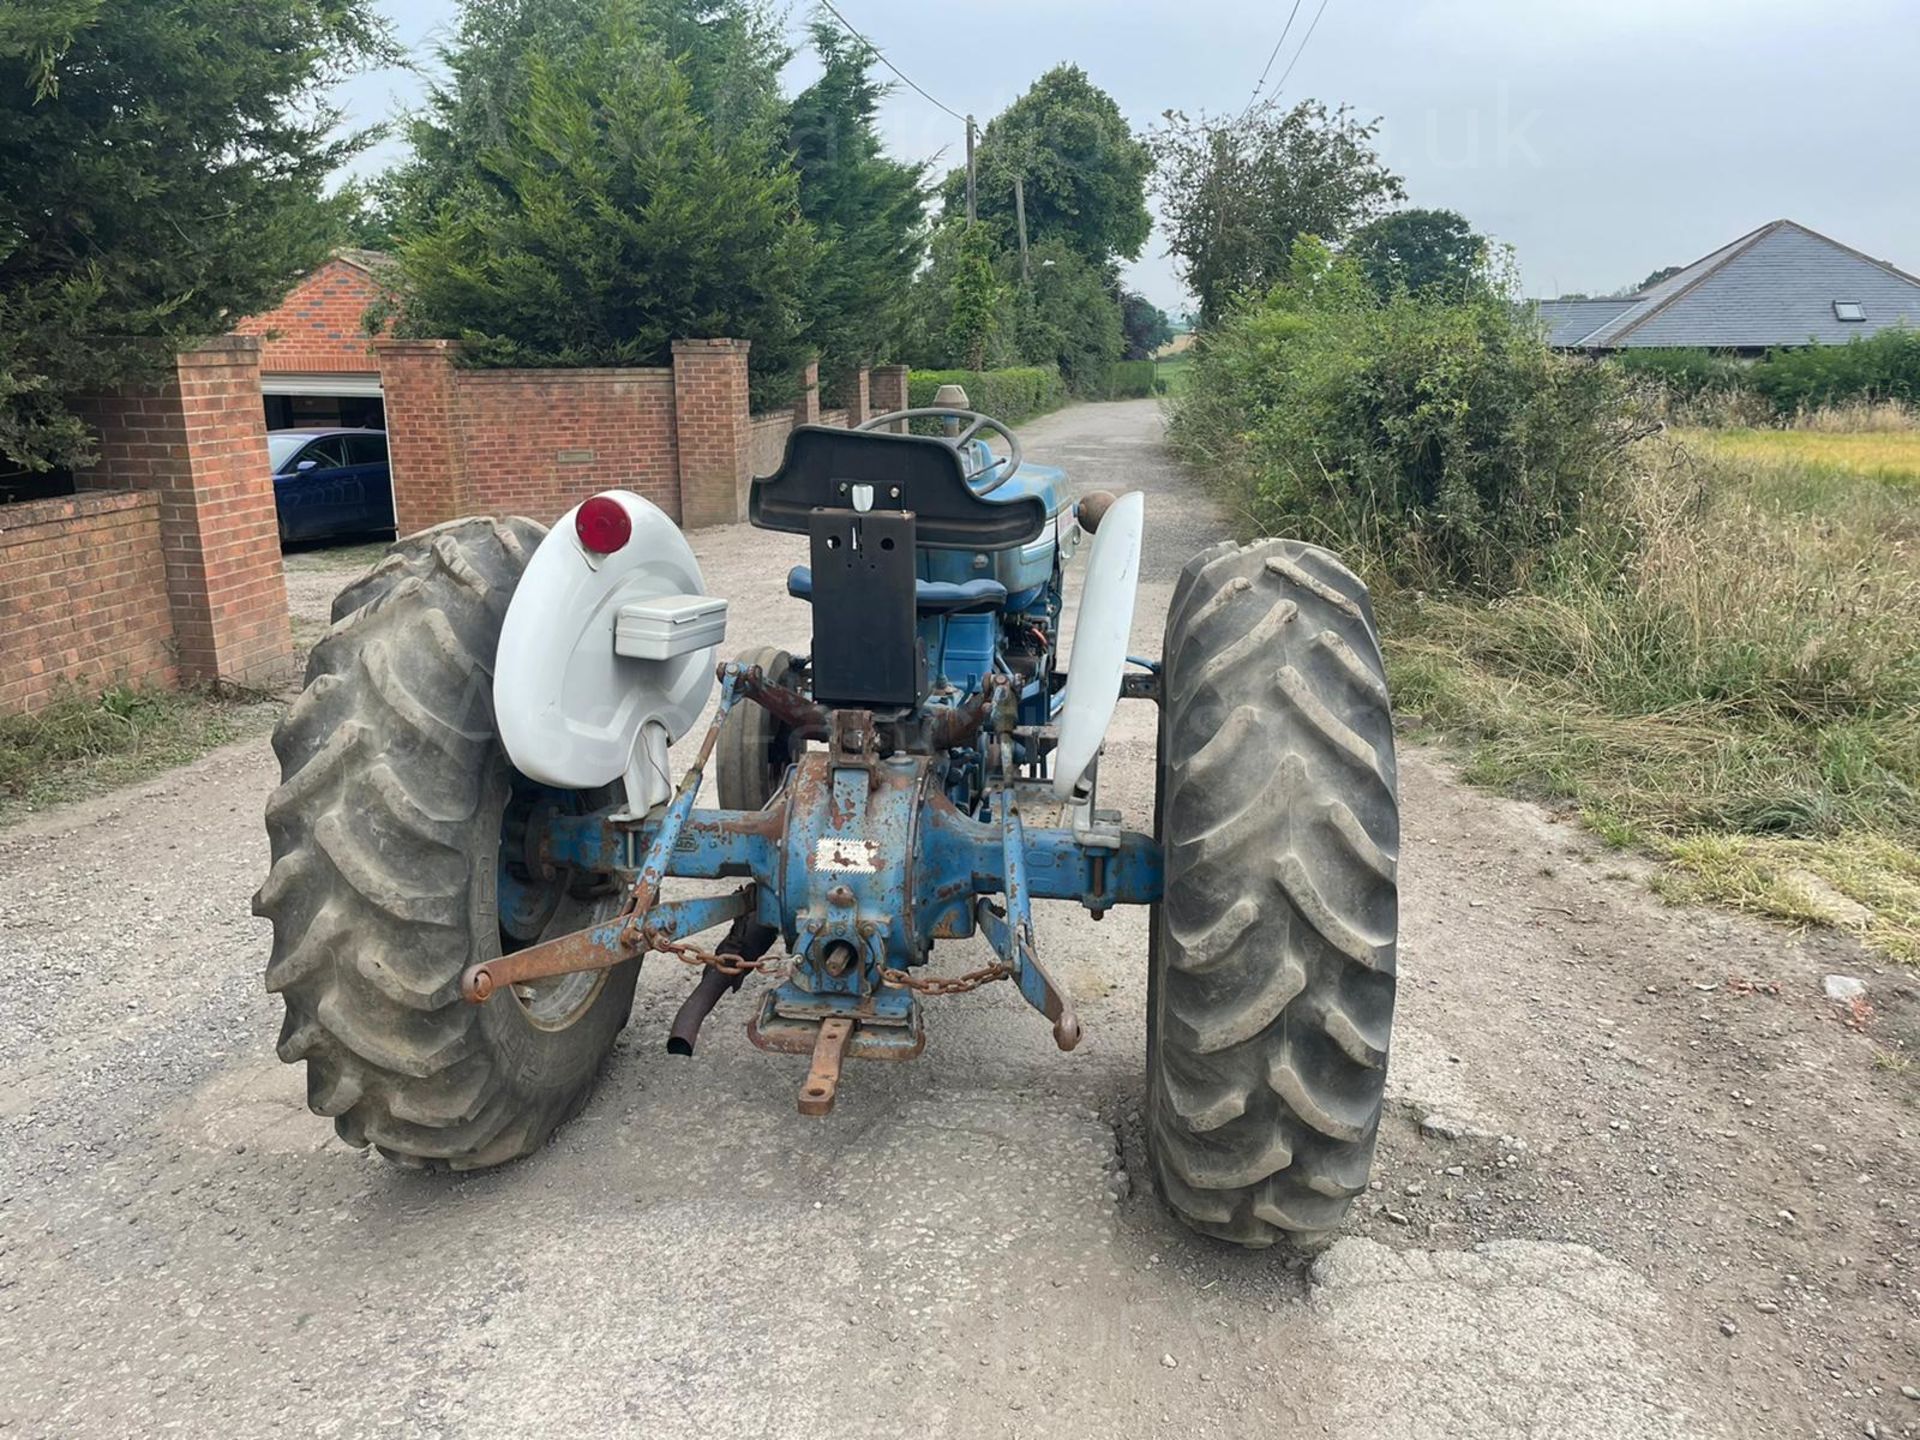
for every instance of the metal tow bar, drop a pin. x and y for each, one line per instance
(641, 925)
(823, 1075)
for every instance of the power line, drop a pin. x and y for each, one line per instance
(874, 49)
(1301, 51)
(1268, 70)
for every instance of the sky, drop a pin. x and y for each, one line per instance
(1601, 139)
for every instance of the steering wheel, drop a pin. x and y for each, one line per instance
(1001, 468)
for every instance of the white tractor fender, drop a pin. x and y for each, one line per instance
(573, 711)
(1100, 633)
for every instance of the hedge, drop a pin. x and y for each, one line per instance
(1885, 366)
(1130, 380)
(1011, 395)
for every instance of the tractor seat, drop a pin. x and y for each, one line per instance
(930, 597)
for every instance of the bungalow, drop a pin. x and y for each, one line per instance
(1780, 285)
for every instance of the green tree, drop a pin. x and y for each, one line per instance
(867, 209)
(973, 299)
(1145, 326)
(611, 220)
(1419, 251)
(1236, 194)
(162, 173)
(729, 52)
(1084, 170)
(1665, 272)
(1068, 316)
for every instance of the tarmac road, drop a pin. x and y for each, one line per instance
(1671, 1206)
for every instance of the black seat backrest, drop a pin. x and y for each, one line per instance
(907, 472)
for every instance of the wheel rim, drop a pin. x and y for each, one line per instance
(537, 901)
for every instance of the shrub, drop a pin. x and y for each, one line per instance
(1009, 395)
(1684, 374)
(1882, 367)
(1130, 380)
(1440, 439)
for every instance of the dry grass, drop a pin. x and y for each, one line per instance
(1861, 417)
(1739, 691)
(1891, 455)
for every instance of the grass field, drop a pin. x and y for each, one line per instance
(1890, 455)
(1741, 697)
(1175, 372)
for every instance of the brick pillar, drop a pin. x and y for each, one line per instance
(858, 398)
(425, 439)
(806, 408)
(889, 389)
(199, 441)
(711, 435)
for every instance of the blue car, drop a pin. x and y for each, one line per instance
(331, 483)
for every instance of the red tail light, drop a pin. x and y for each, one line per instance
(603, 524)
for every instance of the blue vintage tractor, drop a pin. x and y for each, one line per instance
(477, 836)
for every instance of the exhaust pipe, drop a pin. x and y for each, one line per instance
(749, 940)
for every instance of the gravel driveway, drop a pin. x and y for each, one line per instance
(1637, 1179)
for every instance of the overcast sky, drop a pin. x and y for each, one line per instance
(1600, 138)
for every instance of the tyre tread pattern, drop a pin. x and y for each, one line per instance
(379, 833)
(1274, 950)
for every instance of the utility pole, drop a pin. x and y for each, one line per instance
(1020, 218)
(971, 212)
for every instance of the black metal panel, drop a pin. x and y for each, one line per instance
(905, 472)
(866, 645)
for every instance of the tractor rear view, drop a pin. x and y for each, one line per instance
(478, 834)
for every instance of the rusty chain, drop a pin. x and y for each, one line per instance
(688, 953)
(948, 984)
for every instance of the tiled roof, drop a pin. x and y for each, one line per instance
(1568, 322)
(1778, 285)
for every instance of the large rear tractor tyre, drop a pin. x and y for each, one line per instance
(1270, 999)
(754, 749)
(399, 838)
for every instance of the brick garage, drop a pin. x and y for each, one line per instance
(537, 442)
(316, 358)
(166, 562)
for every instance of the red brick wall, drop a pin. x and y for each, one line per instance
(712, 428)
(424, 448)
(887, 389)
(83, 596)
(320, 328)
(857, 397)
(806, 405)
(198, 443)
(521, 442)
(537, 442)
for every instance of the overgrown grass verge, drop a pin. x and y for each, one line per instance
(84, 744)
(1707, 647)
(1740, 695)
